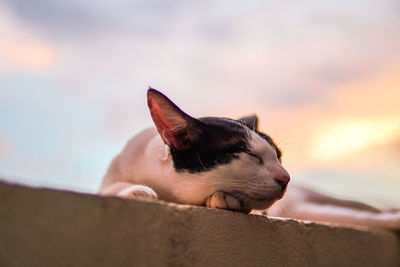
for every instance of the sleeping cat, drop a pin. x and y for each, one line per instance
(221, 163)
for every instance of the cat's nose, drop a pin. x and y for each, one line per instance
(283, 179)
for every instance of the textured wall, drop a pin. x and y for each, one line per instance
(41, 227)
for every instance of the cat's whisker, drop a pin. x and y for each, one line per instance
(199, 159)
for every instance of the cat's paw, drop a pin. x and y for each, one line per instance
(138, 192)
(222, 200)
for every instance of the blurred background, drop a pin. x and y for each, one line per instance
(323, 77)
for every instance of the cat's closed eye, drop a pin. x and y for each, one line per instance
(260, 160)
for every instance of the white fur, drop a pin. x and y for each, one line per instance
(146, 161)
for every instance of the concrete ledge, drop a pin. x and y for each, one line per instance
(42, 227)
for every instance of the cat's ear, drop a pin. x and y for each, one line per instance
(175, 127)
(250, 121)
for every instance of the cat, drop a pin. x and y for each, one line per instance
(221, 163)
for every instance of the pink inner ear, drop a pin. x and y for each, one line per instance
(158, 116)
(167, 120)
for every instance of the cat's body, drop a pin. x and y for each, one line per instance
(146, 161)
(220, 163)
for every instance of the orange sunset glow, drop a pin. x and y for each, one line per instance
(360, 115)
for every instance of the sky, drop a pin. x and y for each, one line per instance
(323, 77)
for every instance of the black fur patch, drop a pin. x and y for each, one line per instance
(220, 141)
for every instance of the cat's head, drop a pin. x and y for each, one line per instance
(229, 155)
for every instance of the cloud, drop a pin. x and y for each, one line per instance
(19, 50)
(76, 18)
(29, 56)
(284, 54)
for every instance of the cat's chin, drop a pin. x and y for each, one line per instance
(254, 203)
(258, 205)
